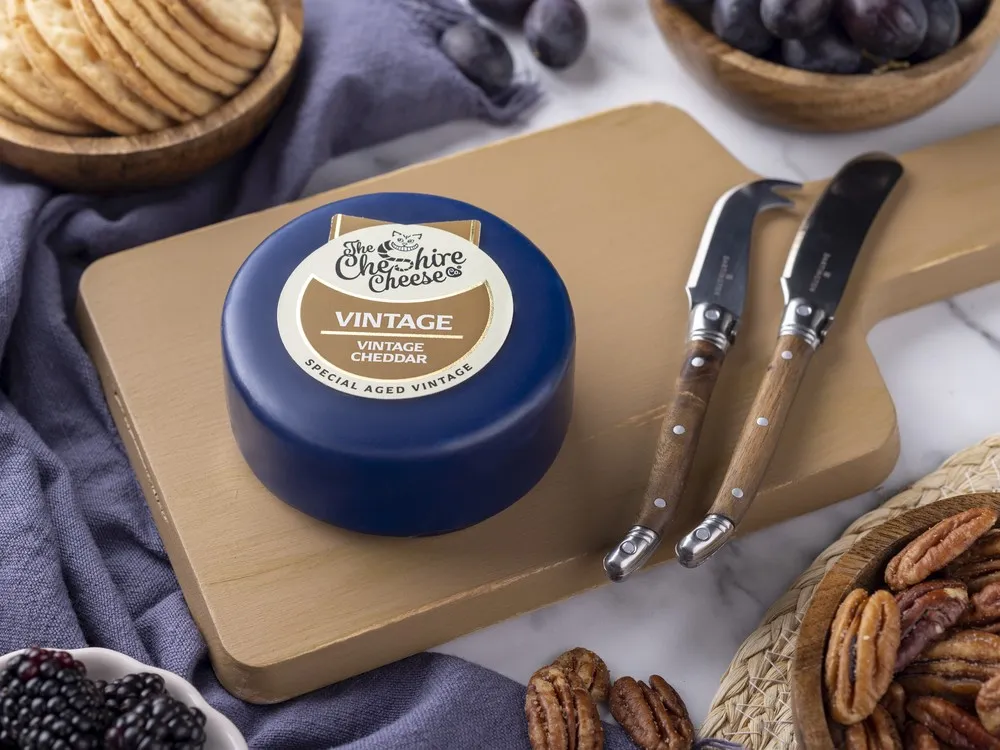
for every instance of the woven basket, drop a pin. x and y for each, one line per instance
(753, 703)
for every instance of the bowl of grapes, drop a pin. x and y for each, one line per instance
(831, 65)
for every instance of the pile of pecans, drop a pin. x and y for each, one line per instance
(561, 707)
(917, 664)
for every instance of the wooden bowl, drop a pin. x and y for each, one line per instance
(169, 156)
(797, 99)
(861, 566)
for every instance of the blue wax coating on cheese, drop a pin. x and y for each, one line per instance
(408, 467)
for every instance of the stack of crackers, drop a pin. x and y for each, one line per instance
(124, 67)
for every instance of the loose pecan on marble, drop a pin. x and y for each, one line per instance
(979, 565)
(950, 724)
(653, 715)
(937, 547)
(918, 737)
(590, 669)
(877, 732)
(861, 653)
(988, 705)
(926, 612)
(894, 701)
(560, 712)
(984, 610)
(954, 668)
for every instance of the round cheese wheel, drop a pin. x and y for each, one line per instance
(398, 364)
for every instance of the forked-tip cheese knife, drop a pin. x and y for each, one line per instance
(716, 290)
(822, 257)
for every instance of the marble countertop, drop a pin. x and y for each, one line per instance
(687, 624)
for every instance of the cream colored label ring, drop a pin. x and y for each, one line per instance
(395, 311)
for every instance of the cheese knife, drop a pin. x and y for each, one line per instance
(820, 262)
(716, 289)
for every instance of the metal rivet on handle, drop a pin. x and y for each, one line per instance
(737, 493)
(702, 535)
(678, 429)
(712, 314)
(786, 354)
(628, 548)
(697, 361)
(660, 502)
(762, 421)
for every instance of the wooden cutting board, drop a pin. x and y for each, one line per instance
(618, 202)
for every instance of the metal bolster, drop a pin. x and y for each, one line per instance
(807, 321)
(712, 323)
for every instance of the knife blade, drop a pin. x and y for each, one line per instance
(819, 266)
(716, 290)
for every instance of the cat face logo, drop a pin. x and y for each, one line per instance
(399, 243)
(404, 243)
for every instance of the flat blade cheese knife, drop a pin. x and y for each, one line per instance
(822, 257)
(716, 289)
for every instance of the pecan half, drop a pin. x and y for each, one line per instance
(937, 547)
(954, 668)
(877, 732)
(894, 701)
(590, 669)
(984, 612)
(979, 566)
(561, 714)
(950, 724)
(988, 705)
(918, 737)
(926, 612)
(860, 654)
(653, 715)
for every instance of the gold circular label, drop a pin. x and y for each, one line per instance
(395, 311)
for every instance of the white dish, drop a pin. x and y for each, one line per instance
(104, 664)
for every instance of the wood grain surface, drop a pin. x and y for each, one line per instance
(762, 429)
(817, 102)
(168, 156)
(680, 434)
(861, 566)
(289, 604)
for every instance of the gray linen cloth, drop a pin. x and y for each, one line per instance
(80, 559)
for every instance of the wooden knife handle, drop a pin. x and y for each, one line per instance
(762, 428)
(679, 435)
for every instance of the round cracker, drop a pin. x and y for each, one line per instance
(11, 117)
(177, 87)
(38, 117)
(237, 54)
(57, 24)
(109, 49)
(50, 66)
(247, 22)
(160, 45)
(17, 73)
(210, 62)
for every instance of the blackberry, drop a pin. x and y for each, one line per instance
(159, 722)
(47, 703)
(125, 693)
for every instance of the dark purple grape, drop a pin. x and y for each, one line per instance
(556, 32)
(507, 12)
(972, 12)
(480, 54)
(944, 27)
(829, 51)
(795, 19)
(699, 10)
(738, 24)
(893, 29)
